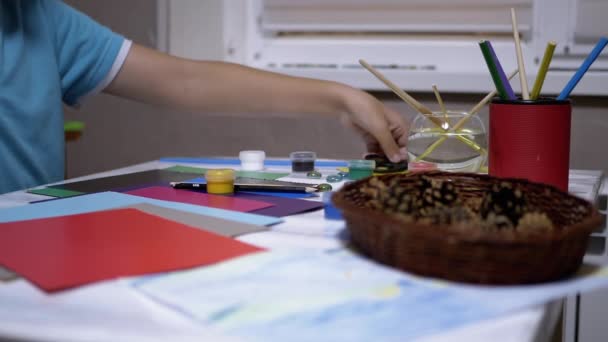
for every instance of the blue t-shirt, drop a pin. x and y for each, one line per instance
(50, 54)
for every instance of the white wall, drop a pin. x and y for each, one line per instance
(195, 28)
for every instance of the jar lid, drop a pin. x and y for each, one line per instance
(362, 164)
(303, 155)
(252, 156)
(422, 166)
(220, 175)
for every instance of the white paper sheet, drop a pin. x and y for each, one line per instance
(109, 311)
(337, 295)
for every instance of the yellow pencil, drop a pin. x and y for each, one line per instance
(542, 71)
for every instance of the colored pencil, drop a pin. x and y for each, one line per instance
(498, 75)
(520, 58)
(542, 70)
(583, 68)
(501, 73)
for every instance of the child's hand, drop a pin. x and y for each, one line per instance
(383, 130)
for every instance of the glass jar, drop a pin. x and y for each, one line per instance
(302, 161)
(453, 141)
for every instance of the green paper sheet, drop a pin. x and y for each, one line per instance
(52, 192)
(242, 174)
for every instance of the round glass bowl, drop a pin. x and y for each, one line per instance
(453, 141)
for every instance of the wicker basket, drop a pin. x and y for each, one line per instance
(472, 254)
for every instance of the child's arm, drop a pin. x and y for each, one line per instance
(154, 77)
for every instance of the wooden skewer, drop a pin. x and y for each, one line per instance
(398, 91)
(446, 124)
(523, 80)
(481, 103)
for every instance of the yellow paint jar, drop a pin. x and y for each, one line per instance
(220, 181)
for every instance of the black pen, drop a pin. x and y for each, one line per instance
(249, 187)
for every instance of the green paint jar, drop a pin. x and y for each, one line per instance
(359, 169)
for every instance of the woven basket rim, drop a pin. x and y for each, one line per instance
(472, 235)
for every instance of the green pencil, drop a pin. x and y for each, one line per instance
(487, 55)
(542, 71)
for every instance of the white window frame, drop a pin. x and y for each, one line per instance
(458, 64)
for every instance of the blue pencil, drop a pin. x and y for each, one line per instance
(583, 69)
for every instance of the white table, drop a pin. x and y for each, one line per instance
(117, 312)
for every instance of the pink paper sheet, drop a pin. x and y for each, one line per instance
(199, 198)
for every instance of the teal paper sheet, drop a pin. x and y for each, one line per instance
(109, 200)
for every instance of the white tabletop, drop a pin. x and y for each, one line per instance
(111, 310)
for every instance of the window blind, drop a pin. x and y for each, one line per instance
(394, 16)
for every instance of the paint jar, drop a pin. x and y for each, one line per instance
(252, 160)
(359, 169)
(220, 181)
(303, 161)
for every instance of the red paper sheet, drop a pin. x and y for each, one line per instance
(62, 252)
(199, 198)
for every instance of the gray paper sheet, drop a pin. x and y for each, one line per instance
(213, 224)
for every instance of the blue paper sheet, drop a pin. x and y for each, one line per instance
(110, 200)
(236, 161)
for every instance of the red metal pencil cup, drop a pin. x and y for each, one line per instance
(530, 139)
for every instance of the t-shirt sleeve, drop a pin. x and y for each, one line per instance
(89, 55)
